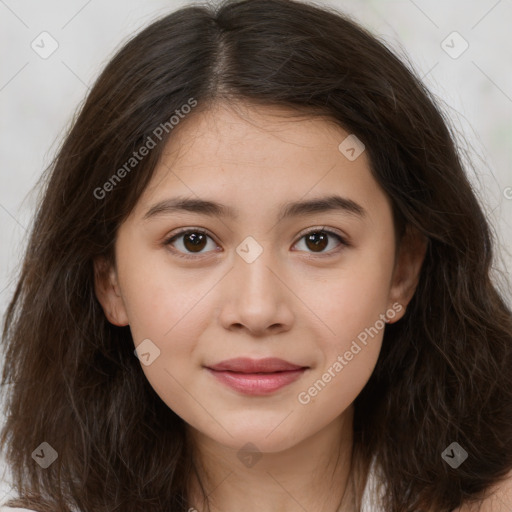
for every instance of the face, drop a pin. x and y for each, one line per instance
(312, 288)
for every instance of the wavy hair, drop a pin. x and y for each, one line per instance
(71, 378)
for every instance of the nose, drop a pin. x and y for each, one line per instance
(256, 297)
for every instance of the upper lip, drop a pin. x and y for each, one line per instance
(248, 365)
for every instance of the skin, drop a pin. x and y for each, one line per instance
(292, 302)
(498, 498)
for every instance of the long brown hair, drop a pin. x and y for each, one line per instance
(71, 378)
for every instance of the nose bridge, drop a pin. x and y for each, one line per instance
(257, 299)
(254, 267)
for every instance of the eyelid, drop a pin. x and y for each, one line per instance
(184, 231)
(325, 229)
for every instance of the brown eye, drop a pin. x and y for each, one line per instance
(317, 240)
(188, 243)
(194, 241)
(191, 241)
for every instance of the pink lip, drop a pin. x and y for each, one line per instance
(248, 365)
(256, 377)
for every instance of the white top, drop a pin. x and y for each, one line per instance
(9, 509)
(373, 492)
(370, 500)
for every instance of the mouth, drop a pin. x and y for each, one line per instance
(256, 366)
(257, 378)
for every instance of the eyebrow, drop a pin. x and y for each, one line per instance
(292, 209)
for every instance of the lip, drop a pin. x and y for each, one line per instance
(248, 365)
(256, 377)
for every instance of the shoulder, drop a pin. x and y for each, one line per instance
(499, 499)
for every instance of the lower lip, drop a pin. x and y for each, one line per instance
(257, 383)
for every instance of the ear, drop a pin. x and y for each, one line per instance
(408, 263)
(108, 292)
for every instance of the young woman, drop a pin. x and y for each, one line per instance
(258, 279)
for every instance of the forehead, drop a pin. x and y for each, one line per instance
(260, 155)
(254, 135)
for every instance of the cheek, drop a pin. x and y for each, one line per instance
(173, 323)
(357, 297)
(334, 387)
(159, 297)
(352, 308)
(350, 348)
(172, 318)
(166, 317)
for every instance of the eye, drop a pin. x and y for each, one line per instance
(194, 240)
(317, 239)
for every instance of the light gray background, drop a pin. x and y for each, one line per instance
(39, 96)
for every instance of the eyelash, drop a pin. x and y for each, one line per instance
(175, 236)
